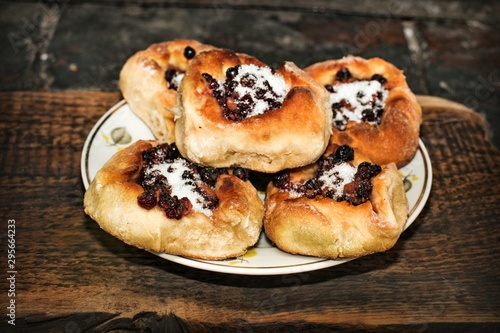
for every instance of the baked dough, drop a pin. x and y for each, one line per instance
(292, 135)
(324, 227)
(395, 139)
(112, 201)
(145, 88)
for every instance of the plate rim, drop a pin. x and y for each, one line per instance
(215, 266)
(84, 159)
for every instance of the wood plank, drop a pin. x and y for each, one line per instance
(73, 275)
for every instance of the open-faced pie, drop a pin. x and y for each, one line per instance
(374, 111)
(340, 207)
(149, 81)
(236, 111)
(149, 196)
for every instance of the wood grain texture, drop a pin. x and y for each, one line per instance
(442, 275)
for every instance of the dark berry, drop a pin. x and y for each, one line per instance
(363, 189)
(312, 188)
(189, 52)
(147, 200)
(344, 154)
(169, 74)
(232, 85)
(160, 182)
(343, 75)
(169, 77)
(366, 170)
(187, 175)
(210, 175)
(282, 180)
(207, 77)
(174, 207)
(336, 106)
(330, 194)
(330, 88)
(241, 173)
(379, 78)
(231, 72)
(339, 124)
(170, 151)
(368, 115)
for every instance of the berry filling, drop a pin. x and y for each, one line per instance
(336, 178)
(177, 185)
(248, 91)
(174, 76)
(357, 100)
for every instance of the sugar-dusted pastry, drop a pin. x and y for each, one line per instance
(149, 196)
(342, 206)
(236, 111)
(374, 111)
(149, 81)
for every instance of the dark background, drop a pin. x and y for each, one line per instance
(449, 49)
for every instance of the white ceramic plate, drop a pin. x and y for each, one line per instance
(120, 127)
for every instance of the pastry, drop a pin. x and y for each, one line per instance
(150, 197)
(374, 111)
(149, 81)
(236, 111)
(340, 207)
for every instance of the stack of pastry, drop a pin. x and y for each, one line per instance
(330, 136)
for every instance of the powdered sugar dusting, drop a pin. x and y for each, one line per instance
(332, 181)
(176, 80)
(182, 187)
(358, 101)
(260, 85)
(337, 177)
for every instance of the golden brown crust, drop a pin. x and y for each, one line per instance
(144, 87)
(111, 200)
(396, 138)
(330, 229)
(293, 135)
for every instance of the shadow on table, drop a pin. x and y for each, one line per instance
(137, 257)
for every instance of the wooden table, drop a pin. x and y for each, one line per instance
(71, 276)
